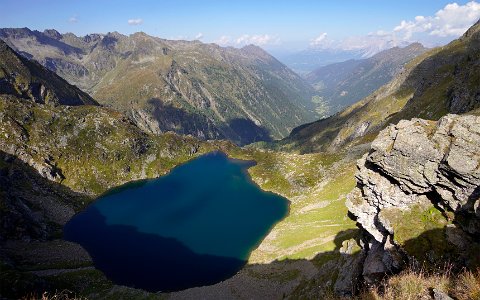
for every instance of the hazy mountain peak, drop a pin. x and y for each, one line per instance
(52, 33)
(256, 51)
(140, 34)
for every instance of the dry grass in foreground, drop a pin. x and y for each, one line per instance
(412, 284)
(62, 295)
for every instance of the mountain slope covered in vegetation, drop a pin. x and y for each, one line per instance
(342, 84)
(211, 92)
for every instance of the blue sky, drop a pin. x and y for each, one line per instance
(271, 24)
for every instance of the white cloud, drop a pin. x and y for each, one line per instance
(455, 19)
(247, 39)
(318, 40)
(73, 19)
(451, 21)
(199, 36)
(256, 39)
(373, 43)
(224, 40)
(134, 22)
(446, 24)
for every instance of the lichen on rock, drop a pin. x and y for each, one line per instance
(417, 195)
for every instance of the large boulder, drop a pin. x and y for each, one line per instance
(417, 195)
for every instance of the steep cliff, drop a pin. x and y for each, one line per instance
(417, 198)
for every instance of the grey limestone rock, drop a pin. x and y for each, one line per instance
(417, 162)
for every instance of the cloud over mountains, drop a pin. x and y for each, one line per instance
(447, 23)
(134, 22)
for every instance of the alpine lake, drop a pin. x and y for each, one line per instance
(195, 226)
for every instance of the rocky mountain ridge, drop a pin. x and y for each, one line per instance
(420, 181)
(205, 90)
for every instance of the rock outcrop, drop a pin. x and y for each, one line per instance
(418, 195)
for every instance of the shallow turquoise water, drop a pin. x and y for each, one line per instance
(195, 226)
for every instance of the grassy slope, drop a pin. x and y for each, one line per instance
(95, 148)
(316, 184)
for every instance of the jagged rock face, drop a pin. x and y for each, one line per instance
(33, 207)
(417, 163)
(351, 268)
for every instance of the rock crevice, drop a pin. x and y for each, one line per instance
(419, 175)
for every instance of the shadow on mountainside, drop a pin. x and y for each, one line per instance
(181, 121)
(33, 209)
(242, 131)
(31, 206)
(248, 131)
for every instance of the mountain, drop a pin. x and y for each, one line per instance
(67, 137)
(440, 81)
(58, 151)
(26, 79)
(187, 87)
(56, 159)
(330, 52)
(342, 84)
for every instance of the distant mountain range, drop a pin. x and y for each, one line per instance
(314, 57)
(211, 92)
(342, 84)
(306, 61)
(440, 81)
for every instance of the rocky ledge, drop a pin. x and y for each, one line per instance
(417, 198)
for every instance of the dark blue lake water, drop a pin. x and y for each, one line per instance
(195, 226)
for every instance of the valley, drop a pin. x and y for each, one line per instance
(140, 110)
(342, 84)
